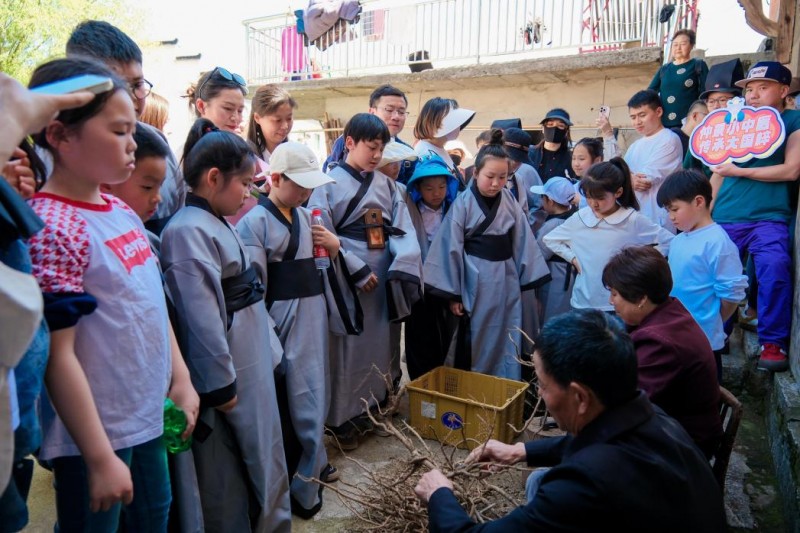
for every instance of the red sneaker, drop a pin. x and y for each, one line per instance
(773, 358)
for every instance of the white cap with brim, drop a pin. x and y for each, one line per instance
(458, 145)
(456, 118)
(396, 151)
(299, 164)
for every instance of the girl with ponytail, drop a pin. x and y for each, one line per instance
(227, 339)
(590, 237)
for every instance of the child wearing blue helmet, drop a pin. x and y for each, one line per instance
(431, 190)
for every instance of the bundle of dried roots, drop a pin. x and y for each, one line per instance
(387, 502)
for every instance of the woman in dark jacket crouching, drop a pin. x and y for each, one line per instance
(676, 363)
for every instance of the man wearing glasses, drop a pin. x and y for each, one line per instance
(390, 105)
(110, 45)
(720, 88)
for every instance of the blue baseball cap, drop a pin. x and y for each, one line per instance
(767, 70)
(558, 189)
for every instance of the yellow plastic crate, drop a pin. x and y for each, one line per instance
(454, 406)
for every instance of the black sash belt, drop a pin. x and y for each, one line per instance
(357, 231)
(288, 280)
(490, 247)
(570, 273)
(242, 290)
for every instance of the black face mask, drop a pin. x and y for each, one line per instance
(554, 135)
(456, 159)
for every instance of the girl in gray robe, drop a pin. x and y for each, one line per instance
(482, 259)
(224, 333)
(389, 267)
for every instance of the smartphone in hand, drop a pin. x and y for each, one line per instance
(87, 82)
(606, 112)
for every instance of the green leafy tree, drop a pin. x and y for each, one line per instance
(32, 31)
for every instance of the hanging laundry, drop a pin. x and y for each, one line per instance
(293, 51)
(322, 15)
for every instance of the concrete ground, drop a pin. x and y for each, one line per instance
(751, 496)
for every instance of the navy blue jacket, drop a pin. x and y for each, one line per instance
(338, 153)
(631, 469)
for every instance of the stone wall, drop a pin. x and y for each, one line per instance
(794, 352)
(783, 424)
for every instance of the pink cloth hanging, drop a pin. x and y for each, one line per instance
(293, 51)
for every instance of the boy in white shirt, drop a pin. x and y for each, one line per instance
(653, 157)
(704, 261)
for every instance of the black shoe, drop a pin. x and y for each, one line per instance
(329, 474)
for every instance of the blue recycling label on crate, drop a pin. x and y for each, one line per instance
(452, 420)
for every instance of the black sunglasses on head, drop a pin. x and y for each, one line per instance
(226, 74)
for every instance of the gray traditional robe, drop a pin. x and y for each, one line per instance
(416, 219)
(556, 294)
(524, 178)
(528, 177)
(242, 457)
(490, 289)
(302, 325)
(398, 268)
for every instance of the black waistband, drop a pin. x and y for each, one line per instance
(242, 290)
(490, 247)
(357, 231)
(288, 280)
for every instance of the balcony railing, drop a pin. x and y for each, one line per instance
(390, 37)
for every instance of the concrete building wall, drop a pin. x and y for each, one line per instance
(528, 102)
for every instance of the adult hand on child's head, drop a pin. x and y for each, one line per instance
(109, 483)
(33, 111)
(19, 175)
(184, 396)
(25, 112)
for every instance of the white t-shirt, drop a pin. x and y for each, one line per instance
(123, 345)
(656, 156)
(706, 269)
(424, 147)
(594, 241)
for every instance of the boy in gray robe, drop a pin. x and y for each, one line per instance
(280, 238)
(381, 257)
(557, 195)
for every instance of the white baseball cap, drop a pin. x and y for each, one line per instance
(298, 162)
(558, 189)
